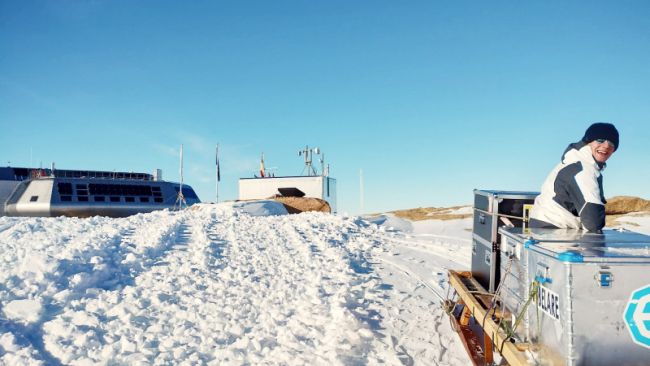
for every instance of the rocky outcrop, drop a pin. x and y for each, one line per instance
(303, 204)
(621, 205)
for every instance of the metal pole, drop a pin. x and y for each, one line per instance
(322, 165)
(181, 169)
(217, 172)
(180, 200)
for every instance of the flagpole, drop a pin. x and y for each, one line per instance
(217, 177)
(180, 200)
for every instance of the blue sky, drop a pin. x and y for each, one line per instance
(431, 99)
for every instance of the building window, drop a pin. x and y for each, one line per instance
(120, 189)
(115, 199)
(82, 198)
(65, 188)
(33, 199)
(66, 198)
(158, 199)
(129, 199)
(82, 190)
(144, 199)
(99, 198)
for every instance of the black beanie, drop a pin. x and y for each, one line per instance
(602, 130)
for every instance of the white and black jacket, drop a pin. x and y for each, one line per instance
(572, 196)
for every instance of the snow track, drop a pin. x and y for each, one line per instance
(416, 269)
(214, 286)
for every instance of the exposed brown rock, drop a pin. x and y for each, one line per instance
(303, 204)
(620, 205)
(431, 213)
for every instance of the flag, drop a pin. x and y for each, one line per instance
(262, 170)
(218, 168)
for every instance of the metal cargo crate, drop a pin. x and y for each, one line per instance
(493, 209)
(590, 294)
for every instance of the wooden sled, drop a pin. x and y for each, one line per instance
(480, 333)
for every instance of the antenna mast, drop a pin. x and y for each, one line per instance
(322, 165)
(308, 154)
(180, 199)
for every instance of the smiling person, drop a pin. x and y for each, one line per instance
(572, 196)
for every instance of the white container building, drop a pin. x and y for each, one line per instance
(322, 187)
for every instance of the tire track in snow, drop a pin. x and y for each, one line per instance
(447, 248)
(264, 268)
(395, 342)
(415, 322)
(401, 333)
(165, 305)
(324, 251)
(301, 302)
(368, 293)
(303, 317)
(413, 277)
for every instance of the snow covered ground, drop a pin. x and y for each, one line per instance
(225, 284)
(229, 284)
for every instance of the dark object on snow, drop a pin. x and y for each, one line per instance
(291, 192)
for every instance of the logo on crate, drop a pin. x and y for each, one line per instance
(549, 302)
(637, 316)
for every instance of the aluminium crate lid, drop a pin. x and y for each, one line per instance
(506, 194)
(581, 246)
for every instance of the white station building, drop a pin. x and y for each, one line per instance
(312, 185)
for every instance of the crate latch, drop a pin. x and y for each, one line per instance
(604, 279)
